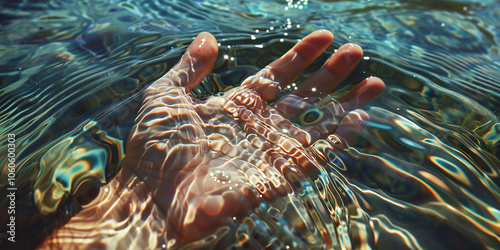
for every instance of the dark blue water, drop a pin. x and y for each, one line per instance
(425, 173)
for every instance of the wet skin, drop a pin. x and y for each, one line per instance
(193, 166)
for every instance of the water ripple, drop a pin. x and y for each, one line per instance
(424, 175)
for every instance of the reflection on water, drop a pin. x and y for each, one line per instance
(425, 173)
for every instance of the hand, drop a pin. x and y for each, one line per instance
(205, 163)
(181, 147)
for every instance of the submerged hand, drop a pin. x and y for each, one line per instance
(207, 163)
(189, 152)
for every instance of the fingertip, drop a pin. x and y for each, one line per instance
(362, 94)
(204, 48)
(375, 85)
(314, 44)
(321, 38)
(196, 63)
(351, 52)
(325, 34)
(344, 60)
(198, 60)
(354, 47)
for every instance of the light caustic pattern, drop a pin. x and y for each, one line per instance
(425, 173)
(230, 171)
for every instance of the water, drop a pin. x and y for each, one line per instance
(425, 173)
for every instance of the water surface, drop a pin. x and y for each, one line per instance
(425, 173)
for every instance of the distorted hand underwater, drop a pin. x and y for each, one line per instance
(198, 171)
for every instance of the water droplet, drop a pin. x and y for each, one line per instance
(398, 109)
(19, 68)
(220, 175)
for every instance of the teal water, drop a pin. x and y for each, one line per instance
(425, 173)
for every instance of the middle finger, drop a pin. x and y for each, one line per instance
(287, 68)
(336, 69)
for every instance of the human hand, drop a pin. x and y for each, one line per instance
(181, 147)
(206, 164)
